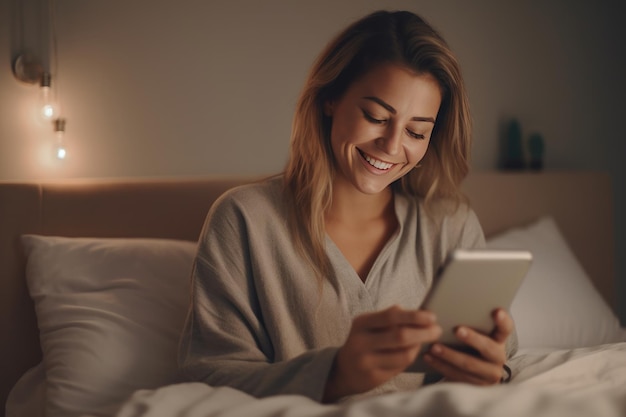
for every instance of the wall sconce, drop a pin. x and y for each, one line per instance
(28, 69)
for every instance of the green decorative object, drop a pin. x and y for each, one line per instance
(513, 150)
(536, 149)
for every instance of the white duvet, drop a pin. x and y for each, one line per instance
(573, 383)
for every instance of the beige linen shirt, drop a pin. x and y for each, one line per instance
(261, 323)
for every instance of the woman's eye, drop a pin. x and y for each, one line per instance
(414, 135)
(372, 119)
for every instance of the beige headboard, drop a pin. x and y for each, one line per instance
(581, 203)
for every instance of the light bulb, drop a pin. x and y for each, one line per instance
(60, 150)
(48, 109)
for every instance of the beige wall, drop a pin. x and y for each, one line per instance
(164, 88)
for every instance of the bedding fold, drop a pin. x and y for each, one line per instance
(574, 383)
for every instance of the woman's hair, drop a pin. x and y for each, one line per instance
(400, 38)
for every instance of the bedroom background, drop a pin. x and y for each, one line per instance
(192, 88)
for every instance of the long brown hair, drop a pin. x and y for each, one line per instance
(401, 38)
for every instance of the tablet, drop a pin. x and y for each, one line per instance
(471, 285)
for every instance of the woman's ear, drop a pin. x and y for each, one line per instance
(328, 108)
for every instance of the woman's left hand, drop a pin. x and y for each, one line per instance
(485, 369)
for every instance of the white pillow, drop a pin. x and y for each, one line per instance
(557, 305)
(110, 312)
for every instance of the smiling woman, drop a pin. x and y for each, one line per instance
(381, 128)
(374, 144)
(310, 282)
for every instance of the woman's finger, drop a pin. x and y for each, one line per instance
(401, 337)
(504, 325)
(453, 373)
(395, 360)
(488, 348)
(394, 316)
(457, 363)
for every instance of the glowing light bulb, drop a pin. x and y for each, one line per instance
(60, 150)
(48, 109)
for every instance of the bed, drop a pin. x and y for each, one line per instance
(94, 290)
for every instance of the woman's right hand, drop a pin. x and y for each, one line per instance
(380, 346)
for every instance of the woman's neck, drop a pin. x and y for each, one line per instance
(350, 205)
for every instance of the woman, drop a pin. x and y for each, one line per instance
(310, 282)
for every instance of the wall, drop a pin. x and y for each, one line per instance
(159, 88)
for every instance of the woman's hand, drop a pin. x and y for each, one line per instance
(485, 369)
(380, 346)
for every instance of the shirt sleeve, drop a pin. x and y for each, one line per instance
(225, 342)
(472, 235)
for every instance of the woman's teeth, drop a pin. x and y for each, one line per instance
(376, 163)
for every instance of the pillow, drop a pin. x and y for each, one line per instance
(557, 305)
(110, 312)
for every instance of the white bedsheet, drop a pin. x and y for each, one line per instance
(572, 383)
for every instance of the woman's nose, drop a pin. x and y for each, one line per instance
(391, 141)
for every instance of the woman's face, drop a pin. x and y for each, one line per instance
(382, 125)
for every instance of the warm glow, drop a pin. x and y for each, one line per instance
(61, 152)
(47, 107)
(47, 111)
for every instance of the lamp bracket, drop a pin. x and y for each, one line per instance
(27, 68)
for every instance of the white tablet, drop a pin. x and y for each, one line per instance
(471, 285)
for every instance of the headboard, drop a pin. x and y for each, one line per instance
(581, 203)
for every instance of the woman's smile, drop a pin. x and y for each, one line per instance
(380, 166)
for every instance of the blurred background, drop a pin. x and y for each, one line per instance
(190, 88)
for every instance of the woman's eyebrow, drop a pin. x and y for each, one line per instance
(391, 110)
(382, 103)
